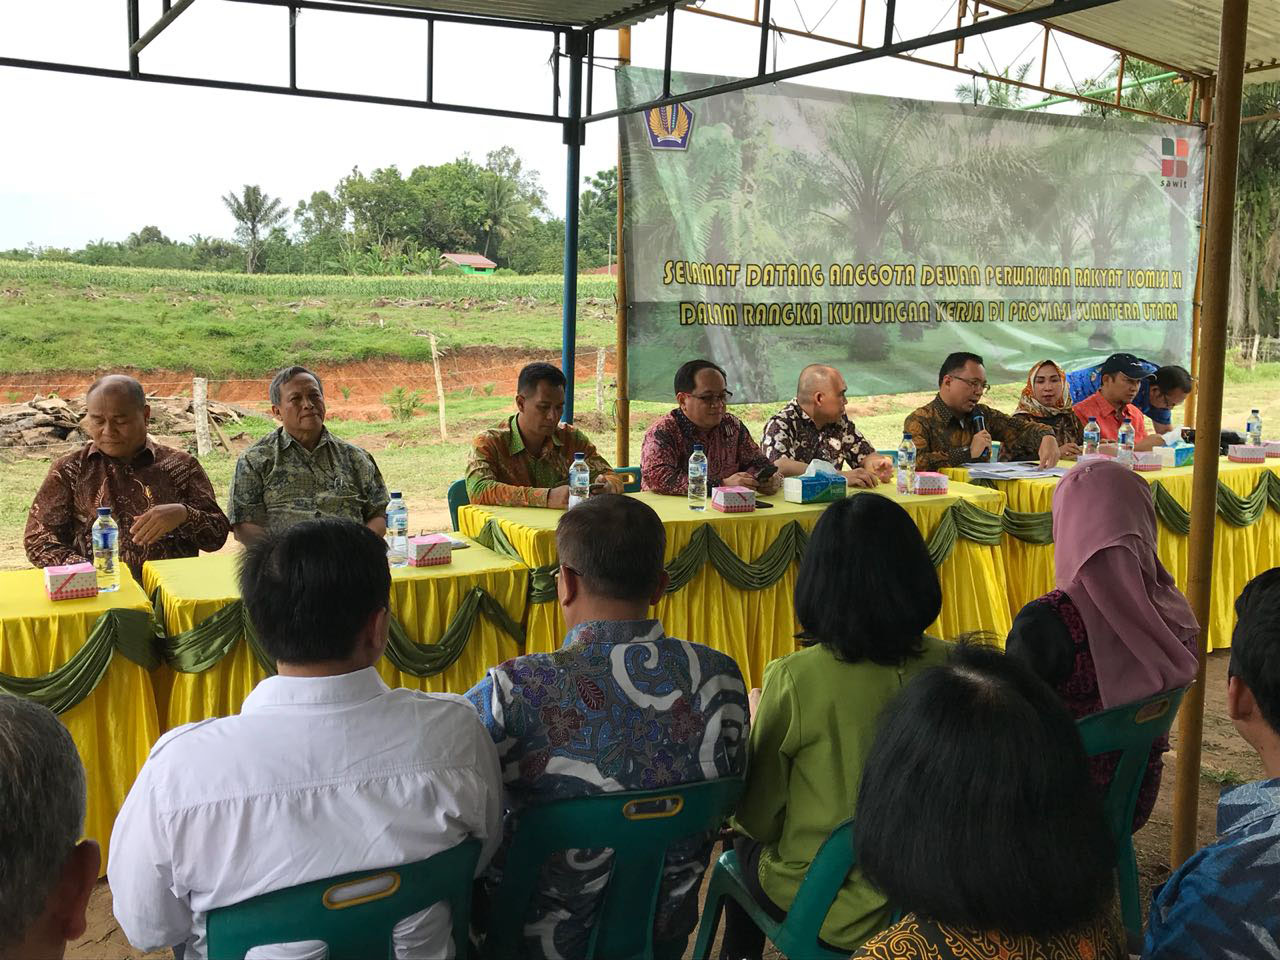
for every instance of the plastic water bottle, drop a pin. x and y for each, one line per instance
(579, 480)
(106, 551)
(1124, 440)
(1254, 429)
(397, 531)
(1092, 436)
(907, 465)
(697, 478)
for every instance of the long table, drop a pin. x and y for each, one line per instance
(1240, 552)
(755, 624)
(113, 726)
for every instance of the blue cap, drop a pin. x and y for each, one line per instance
(104, 511)
(1129, 365)
(579, 456)
(395, 494)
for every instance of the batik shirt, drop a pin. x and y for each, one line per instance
(916, 937)
(621, 706)
(504, 472)
(942, 436)
(1225, 900)
(278, 483)
(664, 458)
(58, 527)
(792, 433)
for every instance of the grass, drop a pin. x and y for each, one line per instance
(56, 316)
(1223, 778)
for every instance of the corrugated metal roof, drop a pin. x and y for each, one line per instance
(1180, 33)
(578, 13)
(468, 259)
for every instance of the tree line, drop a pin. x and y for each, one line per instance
(383, 223)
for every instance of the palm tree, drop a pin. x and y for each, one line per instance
(255, 213)
(995, 94)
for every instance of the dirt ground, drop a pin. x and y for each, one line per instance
(1226, 758)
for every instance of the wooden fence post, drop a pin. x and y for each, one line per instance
(600, 381)
(200, 409)
(435, 367)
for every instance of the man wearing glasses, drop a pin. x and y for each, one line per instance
(702, 417)
(1123, 375)
(956, 429)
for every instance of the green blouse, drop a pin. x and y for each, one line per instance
(809, 739)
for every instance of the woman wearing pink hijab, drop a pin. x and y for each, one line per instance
(1116, 629)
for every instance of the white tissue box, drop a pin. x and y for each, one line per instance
(1272, 447)
(1148, 460)
(927, 483)
(1246, 453)
(430, 550)
(823, 488)
(733, 499)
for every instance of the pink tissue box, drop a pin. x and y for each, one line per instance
(1272, 447)
(430, 550)
(1246, 453)
(733, 499)
(73, 581)
(1147, 461)
(931, 483)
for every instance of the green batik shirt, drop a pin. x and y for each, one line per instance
(279, 483)
(503, 472)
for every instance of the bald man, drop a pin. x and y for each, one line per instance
(814, 426)
(161, 497)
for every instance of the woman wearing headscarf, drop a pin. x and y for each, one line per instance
(1116, 629)
(1047, 399)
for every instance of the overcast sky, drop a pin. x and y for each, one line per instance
(85, 157)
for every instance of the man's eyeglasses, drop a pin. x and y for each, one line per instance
(980, 385)
(555, 574)
(713, 399)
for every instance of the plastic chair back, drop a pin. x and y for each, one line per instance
(354, 914)
(1130, 730)
(457, 498)
(632, 477)
(638, 827)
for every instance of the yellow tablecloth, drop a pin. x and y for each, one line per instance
(756, 626)
(1240, 553)
(424, 599)
(115, 726)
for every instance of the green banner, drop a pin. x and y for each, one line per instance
(771, 228)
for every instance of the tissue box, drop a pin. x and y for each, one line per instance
(1272, 447)
(430, 550)
(931, 483)
(733, 499)
(1150, 460)
(1092, 458)
(71, 582)
(1184, 454)
(1246, 453)
(824, 488)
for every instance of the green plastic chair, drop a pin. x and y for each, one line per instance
(457, 498)
(1131, 730)
(797, 935)
(355, 927)
(632, 478)
(638, 827)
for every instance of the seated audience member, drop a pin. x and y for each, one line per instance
(814, 426)
(160, 497)
(46, 871)
(1045, 399)
(865, 594)
(300, 471)
(1122, 376)
(325, 770)
(976, 818)
(1222, 901)
(733, 459)
(1162, 389)
(621, 706)
(525, 460)
(1116, 629)
(946, 434)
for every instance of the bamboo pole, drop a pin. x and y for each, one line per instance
(200, 409)
(1213, 349)
(622, 435)
(1206, 116)
(600, 380)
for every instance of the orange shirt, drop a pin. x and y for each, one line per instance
(1108, 420)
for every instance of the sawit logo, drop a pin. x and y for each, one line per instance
(1174, 154)
(669, 127)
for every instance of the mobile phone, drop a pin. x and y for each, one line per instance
(763, 504)
(765, 472)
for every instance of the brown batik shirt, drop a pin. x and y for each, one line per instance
(503, 472)
(59, 524)
(792, 433)
(942, 436)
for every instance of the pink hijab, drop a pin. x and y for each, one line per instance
(1140, 628)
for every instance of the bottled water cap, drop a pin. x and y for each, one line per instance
(697, 446)
(1095, 419)
(104, 511)
(395, 494)
(579, 456)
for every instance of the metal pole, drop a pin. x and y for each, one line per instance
(764, 40)
(137, 45)
(622, 432)
(666, 60)
(293, 48)
(1206, 114)
(575, 45)
(131, 12)
(1213, 350)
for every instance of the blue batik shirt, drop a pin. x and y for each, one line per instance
(1225, 900)
(621, 706)
(1085, 383)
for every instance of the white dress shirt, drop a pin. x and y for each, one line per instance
(315, 777)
